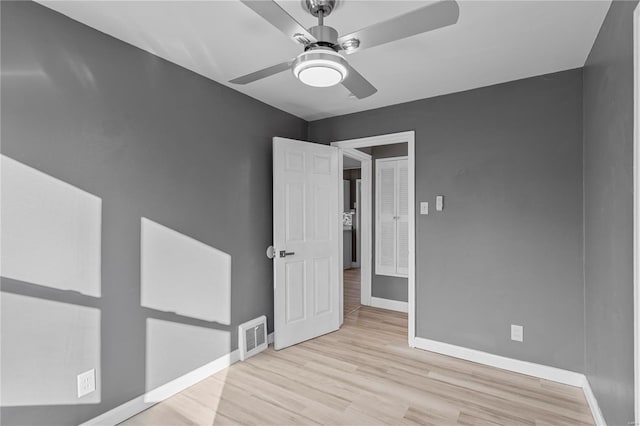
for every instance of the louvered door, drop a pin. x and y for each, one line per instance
(392, 217)
(386, 217)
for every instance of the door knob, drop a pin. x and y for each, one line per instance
(271, 252)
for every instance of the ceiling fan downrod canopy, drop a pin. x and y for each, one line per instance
(320, 8)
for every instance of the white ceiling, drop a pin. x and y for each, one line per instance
(493, 42)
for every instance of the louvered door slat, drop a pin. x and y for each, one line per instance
(402, 218)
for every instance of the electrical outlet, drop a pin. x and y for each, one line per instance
(517, 333)
(86, 382)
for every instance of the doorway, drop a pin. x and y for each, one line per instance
(351, 175)
(359, 149)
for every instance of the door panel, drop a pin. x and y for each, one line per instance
(322, 164)
(321, 214)
(322, 285)
(295, 284)
(294, 212)
(306, 218)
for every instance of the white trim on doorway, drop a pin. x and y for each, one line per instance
(636, 205)
(394, 138)
(341, 239)
(358, 222)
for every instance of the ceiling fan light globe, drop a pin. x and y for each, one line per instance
(320, 68)
(320, 76)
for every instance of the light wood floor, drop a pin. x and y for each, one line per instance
(351, 300)
(365, 374)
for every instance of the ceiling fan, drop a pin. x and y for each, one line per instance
(322, 64)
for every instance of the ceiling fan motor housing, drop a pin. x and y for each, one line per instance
(326, 36)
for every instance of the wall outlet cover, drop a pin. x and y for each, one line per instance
(86, 382)
(517, 333)
(424, 207)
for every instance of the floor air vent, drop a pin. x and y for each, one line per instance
(252, 337)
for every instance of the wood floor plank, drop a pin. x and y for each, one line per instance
(351, 287)
(365, 374)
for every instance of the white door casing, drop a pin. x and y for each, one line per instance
(357, 223)
(350, 148)
(306, 221)
(636, 202)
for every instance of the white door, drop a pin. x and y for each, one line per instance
(306, 221)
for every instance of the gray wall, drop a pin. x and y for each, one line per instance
(386, 287)
(352, 175)
(608, 214)
(150, 139)
(508, 247)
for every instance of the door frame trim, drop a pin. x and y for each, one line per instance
(636, 205)
(358, 226)
(407, 137)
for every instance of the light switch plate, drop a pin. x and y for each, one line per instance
(86, 382)
(517, 333)
(424, 207)
(439, 203)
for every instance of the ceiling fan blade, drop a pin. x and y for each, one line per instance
(428, 18)
(358, 85)
(270, 11)
(266, 72)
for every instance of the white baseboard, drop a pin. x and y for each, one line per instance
(523, 367)
(517, 366)
(159, 394)
(141, 403)
(593, 404)
(392, 305)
